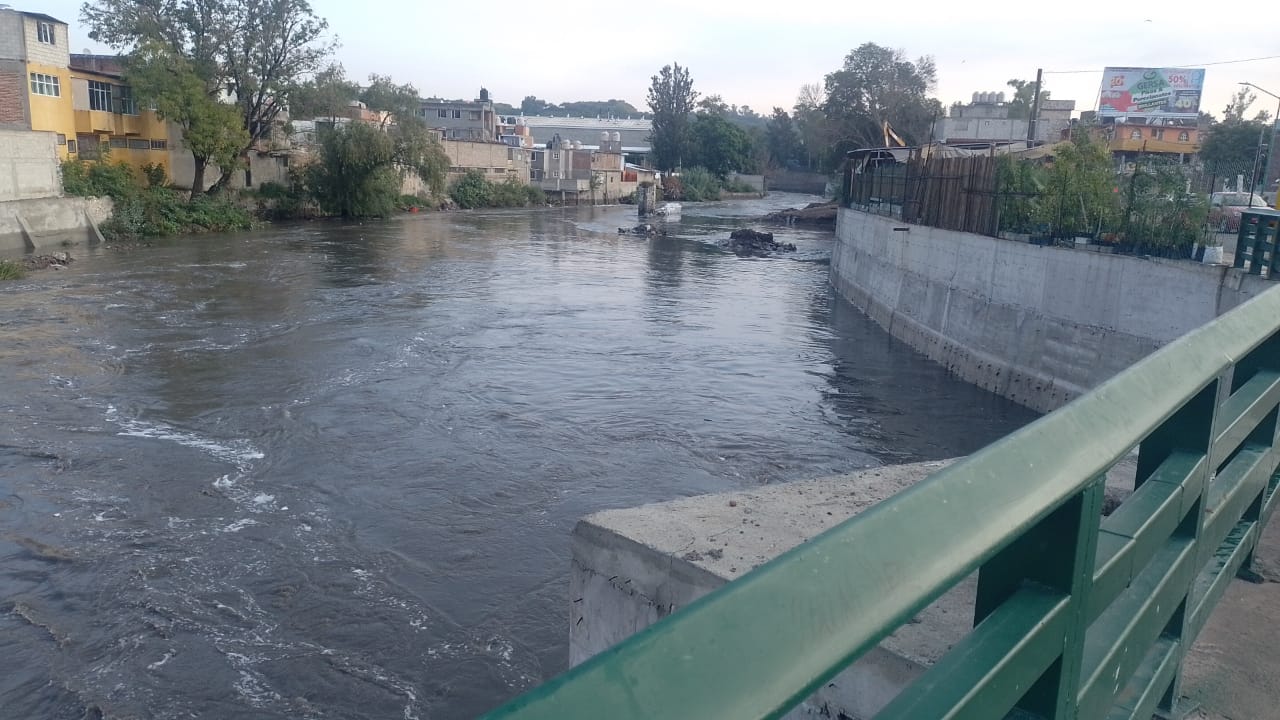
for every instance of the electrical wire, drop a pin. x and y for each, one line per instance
(1195, 65)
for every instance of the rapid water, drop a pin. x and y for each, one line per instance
(330, 470)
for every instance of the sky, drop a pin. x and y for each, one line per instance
(759, 54)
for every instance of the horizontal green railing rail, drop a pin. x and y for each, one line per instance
(1077, 615)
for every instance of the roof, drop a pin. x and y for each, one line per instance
(41, 16)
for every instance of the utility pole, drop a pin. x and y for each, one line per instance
(1035, 109)
(1264, 147)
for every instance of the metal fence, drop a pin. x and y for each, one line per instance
(1077, 616)
(1153, 206)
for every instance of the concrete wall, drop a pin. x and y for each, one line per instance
(57, 54)
(28, 165)
(51, 222)
(802, 182)
(1038, 325)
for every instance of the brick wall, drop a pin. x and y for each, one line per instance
(13, 92)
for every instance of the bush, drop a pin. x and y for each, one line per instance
(98, 179)
(155, 175)
(738, 186)
(471, 190)
(158, 211)
(10, 270)
(699, 185)
(535, 196)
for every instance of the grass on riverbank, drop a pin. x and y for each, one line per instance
(10, 270)
(146, 207)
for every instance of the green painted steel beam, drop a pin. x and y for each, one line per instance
(1235, 488)
(1140, 698)
(761, 644)
(1119, 639)
(1136, 530)
(1212, 583)
(988, 671)
(1243, 411)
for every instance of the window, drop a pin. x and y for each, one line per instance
(99, 96)
(128, 106)
(71, 146)
(62, 139)
(90, 146)
(159, 144)
(457, 114)
(1135, 135)
(475, 114)
(442, 113)
(1157, 133)
(46, 34)
(1184, 136)
(42, 84)
(118, 141)
(139, 144)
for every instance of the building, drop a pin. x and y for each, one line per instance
(574, 171)
(633, 133)
(986, 120)
(1130, 137)
(461, 120)
(82, 99)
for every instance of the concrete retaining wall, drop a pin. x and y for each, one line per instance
(1038, 325)
(28, 165)
(51, 222)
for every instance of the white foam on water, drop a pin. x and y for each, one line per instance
(167, 657)
(238, 452)
(239, 525)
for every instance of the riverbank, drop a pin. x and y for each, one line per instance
(1038, 325)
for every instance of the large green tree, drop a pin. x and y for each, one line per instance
(360, 167)
(812, 125)
(254, 52)
(211, 130)
(781, 139)
(877, 85)
(1231, 146)
(671, 100)
(719, 145)
(324, 94)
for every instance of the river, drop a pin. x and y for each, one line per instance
(330, 470)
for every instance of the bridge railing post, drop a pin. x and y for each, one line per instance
(1058, 552)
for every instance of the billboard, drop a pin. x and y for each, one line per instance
(1151, 91)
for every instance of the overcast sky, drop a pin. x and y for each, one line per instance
(759, 54)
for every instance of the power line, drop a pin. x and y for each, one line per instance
(1193, 65)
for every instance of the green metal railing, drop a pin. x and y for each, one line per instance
(1077, 615)
(1258, 241)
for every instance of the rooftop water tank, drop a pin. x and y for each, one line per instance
(615, 136)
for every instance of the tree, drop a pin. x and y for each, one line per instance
(354, 174)
(718, 145)
(256, 51)
(713, 105)
(324, 94)
(1230, 146)
(781, 139)
(1024, 92)
(671, 99)
(398, 102)
(211, 130)
(878, 85)
(532, 105)
(812, 125)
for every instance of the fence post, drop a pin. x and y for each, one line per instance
(1059, 552)
(1192, 428)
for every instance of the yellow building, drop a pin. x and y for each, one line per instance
(80, 98)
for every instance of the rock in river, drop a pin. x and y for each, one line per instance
(746, 242)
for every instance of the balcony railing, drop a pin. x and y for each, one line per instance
(1077, 615)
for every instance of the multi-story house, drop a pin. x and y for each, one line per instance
(82, 99)
(460, 120)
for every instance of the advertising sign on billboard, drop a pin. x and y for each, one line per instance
(1151, 91)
